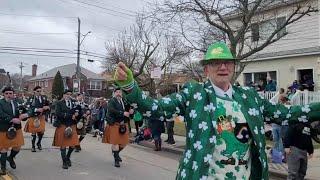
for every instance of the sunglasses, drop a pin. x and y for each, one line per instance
(219, 63)
(38, 91)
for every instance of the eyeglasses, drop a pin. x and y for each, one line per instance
(219, 63)
(8, 93)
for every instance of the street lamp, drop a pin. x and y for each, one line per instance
(76, 83)
(84, 36)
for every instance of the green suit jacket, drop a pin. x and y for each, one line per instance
(197, 102)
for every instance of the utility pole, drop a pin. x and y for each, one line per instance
(78, 60)
(78, 51)
(21, 66)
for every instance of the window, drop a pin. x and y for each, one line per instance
(259, 79)
(264, 30)
(45, 83)
(95, 85)
(255, 32)
(281, 21)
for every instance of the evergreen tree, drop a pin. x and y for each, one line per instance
(57, 87)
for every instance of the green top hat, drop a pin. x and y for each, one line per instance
(217, 51)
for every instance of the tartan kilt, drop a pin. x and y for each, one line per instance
(6, 143)
(29, 127)
(61, 141)
(111, 135)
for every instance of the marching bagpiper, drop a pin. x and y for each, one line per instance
(35, 125)
(10, 129)
(83, 109)
(65, 134)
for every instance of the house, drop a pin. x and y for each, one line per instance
(295, 56)
(92, 84)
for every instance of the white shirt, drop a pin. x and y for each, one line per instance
(222, 93)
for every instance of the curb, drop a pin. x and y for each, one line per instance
(148, 144)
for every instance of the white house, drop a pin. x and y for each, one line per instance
(293, 57)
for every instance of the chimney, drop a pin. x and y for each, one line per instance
(34, 70)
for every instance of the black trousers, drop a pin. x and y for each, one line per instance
(170, 126)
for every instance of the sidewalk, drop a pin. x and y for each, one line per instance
(279, 170)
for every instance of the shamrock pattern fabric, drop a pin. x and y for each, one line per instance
(197, 102)
(231, 156)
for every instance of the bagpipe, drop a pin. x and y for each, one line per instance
(12, 131)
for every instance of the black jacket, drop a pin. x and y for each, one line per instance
(33, 103)
(299, 136)
(64, 113)
(116, 110)
(6, 115)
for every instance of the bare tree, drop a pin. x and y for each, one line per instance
(143, 47)
(237, 22)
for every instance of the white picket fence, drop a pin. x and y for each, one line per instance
(305, 97)
(271, 96)
(299, 98)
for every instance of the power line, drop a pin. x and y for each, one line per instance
(91, 54)
(107, 9)
(28, 15)
(86, 7)
(121, 8)
(33, 33)
(42, 55)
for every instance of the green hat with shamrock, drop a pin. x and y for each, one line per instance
(217, 51)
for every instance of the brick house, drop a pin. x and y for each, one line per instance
(92, 84)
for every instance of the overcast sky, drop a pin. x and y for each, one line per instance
(52, 24)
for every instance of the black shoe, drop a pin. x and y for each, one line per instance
(39, 146)
(3, 172)
(68, 162)
(33, 149)
(119, 159)
(11, 162)
(78, 148)
(65, 165)
(166, 141)
(116, 164)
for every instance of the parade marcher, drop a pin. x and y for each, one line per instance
(38, 106)
(10, 129)
(65, 134)
(117, 133)
(53, 110)
(224, 123)
(82, 107)
(95, 117)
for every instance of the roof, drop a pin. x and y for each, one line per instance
(2, 71)
(67, 71)
(289, 53)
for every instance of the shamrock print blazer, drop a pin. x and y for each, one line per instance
(197, 102)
